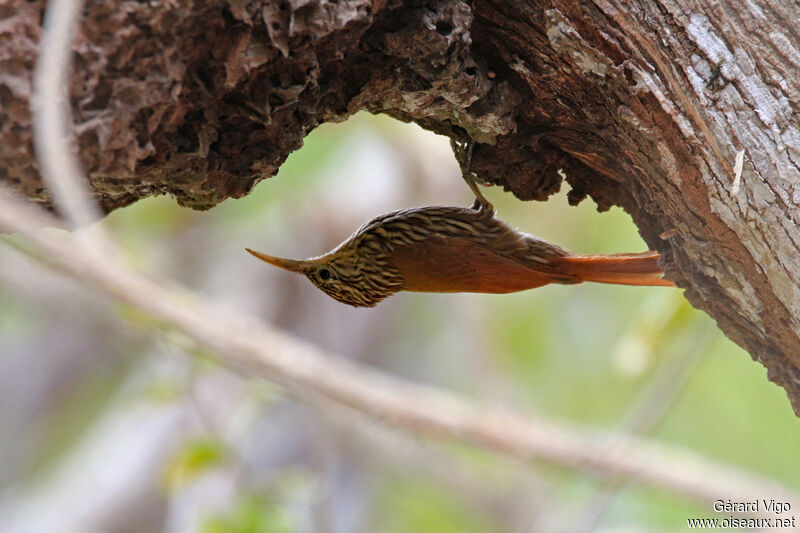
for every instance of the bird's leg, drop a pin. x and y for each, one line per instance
(481, 202)
(462, 148)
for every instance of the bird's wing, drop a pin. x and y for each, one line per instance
(454, 264)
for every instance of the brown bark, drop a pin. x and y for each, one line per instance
(641, 104)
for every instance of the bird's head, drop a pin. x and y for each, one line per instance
(351, 274)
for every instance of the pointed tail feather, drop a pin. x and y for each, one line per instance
(622, 269)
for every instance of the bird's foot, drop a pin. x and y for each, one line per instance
(462, 146)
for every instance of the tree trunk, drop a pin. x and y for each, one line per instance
(644, 105)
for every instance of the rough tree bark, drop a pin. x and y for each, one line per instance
(641, 104)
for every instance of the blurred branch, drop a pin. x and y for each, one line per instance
(52, 129)
(256, 349)
(474, 484)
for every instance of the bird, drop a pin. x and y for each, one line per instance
(456, 249)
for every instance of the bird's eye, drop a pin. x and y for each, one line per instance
(324, 274)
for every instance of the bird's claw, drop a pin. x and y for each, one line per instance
(462, 148)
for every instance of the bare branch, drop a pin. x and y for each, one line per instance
(264, 352)
(52, 125)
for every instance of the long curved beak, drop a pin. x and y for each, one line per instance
(286, 264)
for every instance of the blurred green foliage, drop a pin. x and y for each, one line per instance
(251, 514)
(195, 456)
(413, 505)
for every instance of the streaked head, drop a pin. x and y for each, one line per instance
(344, 275)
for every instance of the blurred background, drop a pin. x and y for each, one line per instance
(109, 425)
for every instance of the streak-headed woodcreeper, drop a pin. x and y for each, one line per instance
(455, 249)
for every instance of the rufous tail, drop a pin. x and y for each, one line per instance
(622, 269)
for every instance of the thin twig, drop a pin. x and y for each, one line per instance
(52, 124)
(471, 483)
(261, 351)
(647, 412)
